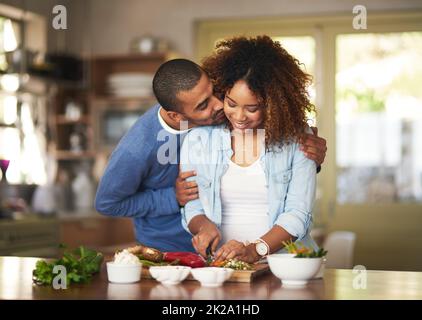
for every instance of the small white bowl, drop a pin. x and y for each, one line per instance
(121, 273)
(169, 275)
(293, 271)
(212, 276)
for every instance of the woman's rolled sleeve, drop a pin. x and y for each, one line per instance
(296, 217)
(189, 162)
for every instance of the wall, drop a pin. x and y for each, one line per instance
(108, 26)
(114, 23)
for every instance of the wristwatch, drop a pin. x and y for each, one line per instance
(262, 247)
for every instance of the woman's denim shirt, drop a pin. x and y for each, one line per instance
(290, 179)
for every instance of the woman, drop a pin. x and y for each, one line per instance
(256, 188)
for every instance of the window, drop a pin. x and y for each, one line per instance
(22, 115)
(9, 41)
(367, 91)
(378, 117)
(366, 87)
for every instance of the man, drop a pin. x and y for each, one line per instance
(141, 182)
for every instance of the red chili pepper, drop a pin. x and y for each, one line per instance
(188, 259)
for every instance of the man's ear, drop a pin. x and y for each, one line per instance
(175, 116)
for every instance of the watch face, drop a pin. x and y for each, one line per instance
(261, 248)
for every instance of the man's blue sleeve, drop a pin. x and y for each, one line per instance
(119, 193)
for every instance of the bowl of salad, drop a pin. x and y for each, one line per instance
(298, 266)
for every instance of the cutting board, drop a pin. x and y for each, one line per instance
(237, 276)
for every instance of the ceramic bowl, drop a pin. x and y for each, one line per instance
(169, 275)
(120, 273)
(293, 271)
(212, 276)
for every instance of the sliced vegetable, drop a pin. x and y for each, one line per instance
(237, 265)
(217, 263)
(232, 264)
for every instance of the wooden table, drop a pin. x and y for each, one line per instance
(16, 283)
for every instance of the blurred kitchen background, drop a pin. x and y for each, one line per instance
(68, 95)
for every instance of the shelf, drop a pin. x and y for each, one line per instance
(70, 155)
(63, 120)
(102, 67)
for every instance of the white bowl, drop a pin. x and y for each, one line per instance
(212, 276)
(321, 271)
(169, 275)
(121, 273)
(293, 271)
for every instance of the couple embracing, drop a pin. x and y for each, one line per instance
(242, 178)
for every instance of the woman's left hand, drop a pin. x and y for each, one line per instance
(235, 249)
(230, 250)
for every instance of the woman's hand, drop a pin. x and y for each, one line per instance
(207, 236)
(230, 250)
(235, 249)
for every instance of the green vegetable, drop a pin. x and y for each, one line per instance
(80, 265)
(301, 251)
(313, 254)
(149, 263)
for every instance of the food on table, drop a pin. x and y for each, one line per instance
(147, 263)
(147, 253)
(124, 257)
(232, 264)
(153, 257)
(302, 251)
(125, 268)
(81, 264)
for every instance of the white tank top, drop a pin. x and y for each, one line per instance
(244, 199)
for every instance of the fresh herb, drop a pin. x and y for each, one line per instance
(302, 251)
(80, 264)
(313, 254)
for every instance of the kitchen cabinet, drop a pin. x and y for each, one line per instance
(95, 231)
(29, 237)
(40, 236)
(71, 124)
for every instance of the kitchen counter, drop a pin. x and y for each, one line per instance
(16, 283)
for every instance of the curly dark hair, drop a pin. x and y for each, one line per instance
(273, 75)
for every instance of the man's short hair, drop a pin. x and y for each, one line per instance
(173, 77)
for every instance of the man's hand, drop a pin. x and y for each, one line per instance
(185, 190)
(208, 235)
(314, 147)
